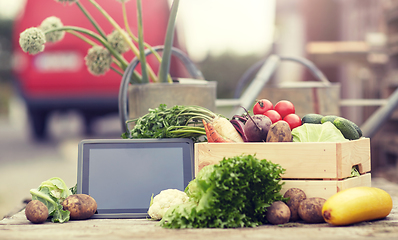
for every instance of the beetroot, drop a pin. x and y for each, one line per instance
(256, 128)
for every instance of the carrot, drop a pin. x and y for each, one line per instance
(209, 138)
(213, 135)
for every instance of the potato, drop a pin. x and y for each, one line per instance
(295, 196)
(36, 211)
(278, 213)
(310, 210)
(80, 206)
(279, 132)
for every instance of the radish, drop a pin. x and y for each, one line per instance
(256, 128)
(225, 128)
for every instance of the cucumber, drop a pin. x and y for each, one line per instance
(358, 129)
(329, 118)
(312, 118)
(347, 128)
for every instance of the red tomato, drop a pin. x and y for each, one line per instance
(293, 120)
(262, 106)
(273, 115)
(284, 107)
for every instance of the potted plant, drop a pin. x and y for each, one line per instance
(107, 53)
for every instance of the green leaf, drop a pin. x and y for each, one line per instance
(175, 122)
(52, 193)
(57, 188)
(73, 189)
(325, 132)
(61, 215)
(234, 193)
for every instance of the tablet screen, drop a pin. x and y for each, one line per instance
(122, 176)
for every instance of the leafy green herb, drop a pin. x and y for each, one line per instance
(73, 189)
(355, 172)
(52, 193)
(234, 193)
(174, 122)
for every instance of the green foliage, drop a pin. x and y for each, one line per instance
(52, 193)
(175, 122)
(234, 193)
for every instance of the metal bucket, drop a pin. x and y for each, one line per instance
(136, 99)
(145, 96)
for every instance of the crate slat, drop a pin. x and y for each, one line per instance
(318, 160)
(326, 188)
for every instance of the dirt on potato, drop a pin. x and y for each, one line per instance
(36, 211)
(310, 210)
(295, 196)
(80, 206)
(278, 213)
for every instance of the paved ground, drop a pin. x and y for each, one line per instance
(17, 227)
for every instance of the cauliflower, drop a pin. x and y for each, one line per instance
(164, 200)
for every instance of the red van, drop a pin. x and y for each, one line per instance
(57, 79)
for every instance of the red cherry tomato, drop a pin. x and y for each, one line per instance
(262, 106)
(284, 107)
(293, 120)
(273, 115)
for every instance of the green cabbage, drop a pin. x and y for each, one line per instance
(310, 132)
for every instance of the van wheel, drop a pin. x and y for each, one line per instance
(38, 122)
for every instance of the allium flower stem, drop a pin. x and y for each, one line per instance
(126, 23)
(144, 69)
(125, 36)
(131, 34)
(92, 43)
(96, 37)
(82, 37)
(91, 19)
(116, 71)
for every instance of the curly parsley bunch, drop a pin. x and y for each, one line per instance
(175, 122)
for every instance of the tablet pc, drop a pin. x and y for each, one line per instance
(122, 174)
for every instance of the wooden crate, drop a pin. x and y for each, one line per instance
(321, 169)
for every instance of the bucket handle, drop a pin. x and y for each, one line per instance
(258, 65)
(264, 72)
(311, 67)
(123, 90)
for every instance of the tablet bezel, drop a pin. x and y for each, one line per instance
(83, 167)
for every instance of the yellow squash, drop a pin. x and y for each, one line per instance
(357, 204)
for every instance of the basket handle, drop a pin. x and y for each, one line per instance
(123, 90)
